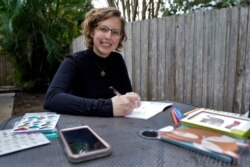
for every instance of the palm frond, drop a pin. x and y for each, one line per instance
(55, 52)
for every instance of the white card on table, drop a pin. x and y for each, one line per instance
(12, 142)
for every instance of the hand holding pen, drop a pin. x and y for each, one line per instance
(124, 104)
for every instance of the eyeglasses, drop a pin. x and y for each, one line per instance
(114, 32)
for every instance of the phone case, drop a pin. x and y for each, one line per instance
(85, 155)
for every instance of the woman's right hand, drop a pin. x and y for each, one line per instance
(124, 104)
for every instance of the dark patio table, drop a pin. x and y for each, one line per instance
(128, 148)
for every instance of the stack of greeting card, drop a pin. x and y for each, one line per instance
(207, 142)
(32, 130)
(214, 133)
(37, 122)
(10, 142)
(218, 121)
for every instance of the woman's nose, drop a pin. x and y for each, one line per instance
(108, 34)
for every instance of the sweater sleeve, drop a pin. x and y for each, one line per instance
(58, 98)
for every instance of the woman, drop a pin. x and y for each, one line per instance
(82, 83)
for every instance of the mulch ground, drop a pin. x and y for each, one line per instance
(28, 102)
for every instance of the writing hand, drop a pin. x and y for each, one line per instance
(124, 104)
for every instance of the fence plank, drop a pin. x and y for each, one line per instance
(220, 39)
(205, 56)
(247, 81)
(136, 59)
(2, 72)
(209, 53)
(161, 60)
(189, 54)
(77, 44)
(239, 98)
(170, 58)
(231, 55)
(127, 51)
(180, 58)
(144, 59)
(153, 59)
(5, 70)
(198, 56)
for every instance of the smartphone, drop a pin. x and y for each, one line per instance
(82, 143)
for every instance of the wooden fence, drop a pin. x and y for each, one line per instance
(200, 58)
(5, 69)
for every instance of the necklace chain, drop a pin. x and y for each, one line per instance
(102, 73)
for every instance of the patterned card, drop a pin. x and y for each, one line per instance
(11, 142)
(37, 122)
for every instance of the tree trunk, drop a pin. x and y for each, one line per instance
(135, 10)
(144, 9)
(111, 3)
(128, 10)
(123, 9)
(158, 3)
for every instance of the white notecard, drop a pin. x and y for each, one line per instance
(148, 109)
(10, 142)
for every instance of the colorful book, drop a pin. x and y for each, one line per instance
(207, 142)
(218, 121)
(37, 122)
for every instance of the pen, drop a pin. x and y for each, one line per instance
(115, 91)
(189, 112)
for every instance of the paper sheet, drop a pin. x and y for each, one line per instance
(148, 109)
(10, 142)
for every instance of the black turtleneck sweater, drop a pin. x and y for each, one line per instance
(78, 87)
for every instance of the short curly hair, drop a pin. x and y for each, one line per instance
(96, 15)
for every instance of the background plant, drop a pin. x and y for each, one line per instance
(37, 34)
(185, 6)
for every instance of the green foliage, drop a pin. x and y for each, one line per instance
(36, 34)
(186, 6)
